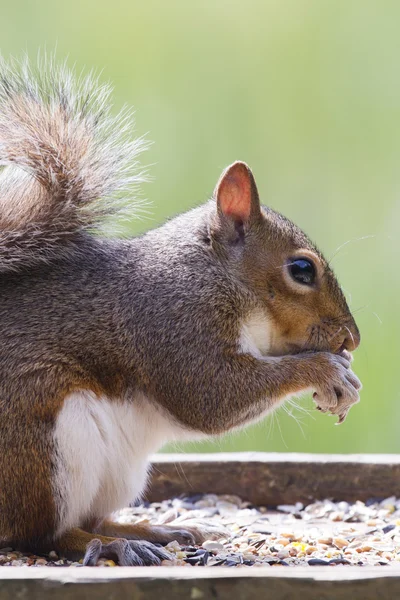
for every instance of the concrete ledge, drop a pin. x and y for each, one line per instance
(274, 479)
(197, 583)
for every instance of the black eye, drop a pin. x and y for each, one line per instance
(302, 270)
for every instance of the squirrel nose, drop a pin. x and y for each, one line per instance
(351, 341)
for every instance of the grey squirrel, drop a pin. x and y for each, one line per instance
(111, 348)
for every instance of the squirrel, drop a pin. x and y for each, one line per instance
(111, 348)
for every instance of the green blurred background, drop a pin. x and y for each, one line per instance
(308, 93)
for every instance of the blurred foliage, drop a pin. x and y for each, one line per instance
(308, 93)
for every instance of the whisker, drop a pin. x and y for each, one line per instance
(308, 341)
(295, 417)
(345, 316)
(365, 237)
(280, 431)
(366, 306)
(270, 422)
(331, 337)
(347, 293)
(299, 407)
(379, 319)
(351, 335)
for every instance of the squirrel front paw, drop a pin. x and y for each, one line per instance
(336, 386)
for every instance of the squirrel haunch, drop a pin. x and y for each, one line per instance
(111, 348)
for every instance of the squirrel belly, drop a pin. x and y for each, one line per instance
(102, 450)
(110, 348)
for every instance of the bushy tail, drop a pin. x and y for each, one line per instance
(65, 157)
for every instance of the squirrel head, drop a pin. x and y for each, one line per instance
(288, 277)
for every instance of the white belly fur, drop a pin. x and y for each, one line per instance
(102, 454)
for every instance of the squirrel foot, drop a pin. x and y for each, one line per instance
(127, 553)
(202, 531)
(186, 533)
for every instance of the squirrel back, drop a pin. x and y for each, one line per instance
(66, 161)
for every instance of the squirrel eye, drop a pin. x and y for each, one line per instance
(302, 270)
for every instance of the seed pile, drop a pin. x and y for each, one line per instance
(322, 533)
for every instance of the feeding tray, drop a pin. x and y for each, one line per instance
(264, 482)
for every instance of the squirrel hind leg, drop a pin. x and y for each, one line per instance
(186, 534)
(76, 543)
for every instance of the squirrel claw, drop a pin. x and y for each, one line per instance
(127, 553)
(342, 418)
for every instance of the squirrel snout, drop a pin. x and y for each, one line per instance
(351, 341)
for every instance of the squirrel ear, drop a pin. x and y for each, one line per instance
(236, 193)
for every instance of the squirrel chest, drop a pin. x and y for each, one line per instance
(255, 335)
